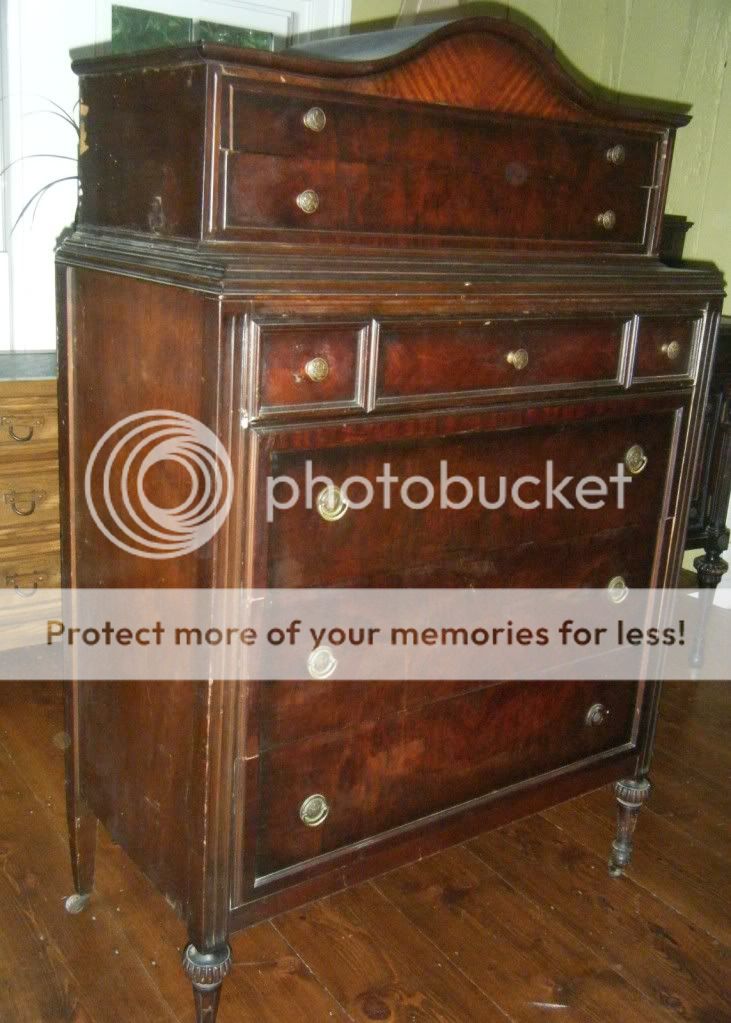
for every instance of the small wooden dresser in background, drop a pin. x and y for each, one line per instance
(29, 520)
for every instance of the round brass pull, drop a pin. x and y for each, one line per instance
(518, 358)
(607, 220)
(308, 201)
(32, 499)
(314, 810)
(317, 369)
(617, 589)
(315, 119)
(635, 459)
(330, 504)
(616, 155)
(597, 714)
(35, 579)
(672, 350)
(321, 663)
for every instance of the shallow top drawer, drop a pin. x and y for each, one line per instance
(317, 367)
(666, 346)
(440, 358)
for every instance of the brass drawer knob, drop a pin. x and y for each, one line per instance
(616, 155)
(308, 201)
(315, 119)
(672, 350)
(34, 580)
(635, 459)
(607, 220)
(314, 810)
(597, 714)
(331, 505)
(317, 369)
(518, 358)
(321, 663)
(24, 504)
(617, 589)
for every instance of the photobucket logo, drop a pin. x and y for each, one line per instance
(168, 445)
(450, 492)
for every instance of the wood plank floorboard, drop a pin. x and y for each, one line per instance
(522, 924)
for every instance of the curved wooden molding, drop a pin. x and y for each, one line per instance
(479, 63)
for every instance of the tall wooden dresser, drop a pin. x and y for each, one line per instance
(449, 250)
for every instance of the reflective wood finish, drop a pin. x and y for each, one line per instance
(454, 261)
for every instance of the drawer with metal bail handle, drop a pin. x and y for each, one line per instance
(24, 502)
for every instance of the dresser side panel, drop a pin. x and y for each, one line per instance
(135, 346)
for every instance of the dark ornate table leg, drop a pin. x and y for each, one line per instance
(206, 972)
(710, 568)
(631, 793)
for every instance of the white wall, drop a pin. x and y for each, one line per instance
(35, 64)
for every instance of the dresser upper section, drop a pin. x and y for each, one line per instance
(474, 139)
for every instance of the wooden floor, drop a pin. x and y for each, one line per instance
(522, 924)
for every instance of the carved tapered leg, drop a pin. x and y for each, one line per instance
(206, 972)
(710, 568)
(631, 794)
(82, 823)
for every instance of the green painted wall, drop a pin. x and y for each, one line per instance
(666, 49)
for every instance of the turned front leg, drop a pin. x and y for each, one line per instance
(631, 794)
(206, 972)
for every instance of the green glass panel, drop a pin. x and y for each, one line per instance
(134, 30)
(230, 35)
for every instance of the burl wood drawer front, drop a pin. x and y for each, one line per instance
(374, 545)
(315, 367)
(28, 427)
(444, 358)
(408, 766)
(28, 495)
(666, 346)
(383, 168)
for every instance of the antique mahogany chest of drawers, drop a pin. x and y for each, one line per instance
(448, 252)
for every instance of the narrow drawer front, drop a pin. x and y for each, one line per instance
(411, 765)
(293, 710)
(375, 545)
(665, 346)
(435, 171)
(28, 426)
(446, 358)
(309, 366)
(327, 195)
(28, 496)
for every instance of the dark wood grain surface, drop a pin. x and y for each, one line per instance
(497, 929)
(226, 242)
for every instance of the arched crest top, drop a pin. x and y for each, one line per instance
(479, 63)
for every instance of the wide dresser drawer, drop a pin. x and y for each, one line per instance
(332, 791)
(433, 359)
(331, 543)
(322, 163)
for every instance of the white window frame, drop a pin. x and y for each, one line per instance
(28, 56)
